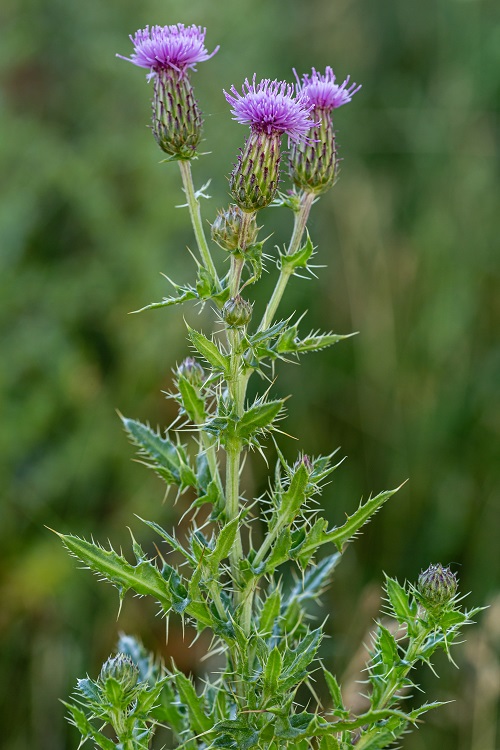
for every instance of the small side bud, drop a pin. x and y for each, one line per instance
(254, 180)
(177, 121)
(437, 586)
(237, 312)
(192, 371)
(305, 461)
(227, 227)
(122, 669)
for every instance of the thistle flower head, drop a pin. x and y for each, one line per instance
(271, 107)
(323, 92)
(178, 47)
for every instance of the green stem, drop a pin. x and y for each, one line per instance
(194, 212)
(300, 221)
(397, 678)
(210, 447)
(299, 226)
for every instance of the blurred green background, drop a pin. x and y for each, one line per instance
(409, 240)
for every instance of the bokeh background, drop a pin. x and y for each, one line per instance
(409, 241)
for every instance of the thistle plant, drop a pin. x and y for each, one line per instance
(231, 579)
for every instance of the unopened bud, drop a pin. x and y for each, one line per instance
(437, 585)
(314, 163)
(177, 121)
(254, 179)
(122, 669)
(305, 461)
(237, 312)
(227, 227)
(192, 371)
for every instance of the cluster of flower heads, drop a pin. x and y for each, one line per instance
(302, 111)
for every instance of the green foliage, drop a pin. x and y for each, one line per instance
(85, 226)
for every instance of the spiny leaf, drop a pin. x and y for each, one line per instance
(172, 541)
(193, 403)
(300, 258)
(329, 742)
(294, 497)
(399, 600)
(195, 704)
(145, 578)
(186, 294)
(335, 692)
(223, 545)
(312, 343)
(268, 333)
(387, 647)
(270, 612)
(209, 350)
(414, 715)
(300, 659)
(258, 417)
(272, 672)
(343, 534)
(167, 458)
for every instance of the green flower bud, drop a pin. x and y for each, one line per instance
(192, 371)
(237, 312)
(437, 586)
(254, 179)
(177, 121)
(122, 669)
(226, 229)
(314, 163)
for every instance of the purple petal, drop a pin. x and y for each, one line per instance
(272, 106)
(177, 47)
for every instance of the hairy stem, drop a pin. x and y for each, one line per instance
(194, 212)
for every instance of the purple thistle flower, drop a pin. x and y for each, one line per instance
(322, 90)
(176, 46)
(272, 107)
(168, 52)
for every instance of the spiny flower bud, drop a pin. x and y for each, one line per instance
(314, 165)
(314, 162)
(437, 585)
(237, 312)
(305, 461)
(254, 180)
(192, 371)
(226, 229)
(271, 108)
(168, 52)
(122, 669)
(177, 122)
